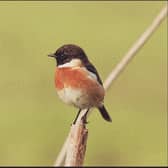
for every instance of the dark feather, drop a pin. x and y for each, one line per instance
(92, 69)
(105, 114)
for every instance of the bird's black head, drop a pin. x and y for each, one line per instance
(68, 52)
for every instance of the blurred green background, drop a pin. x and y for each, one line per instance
(34, 122)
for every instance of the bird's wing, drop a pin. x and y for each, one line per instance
(92, 69)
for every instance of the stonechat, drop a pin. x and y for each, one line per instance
(77, 81)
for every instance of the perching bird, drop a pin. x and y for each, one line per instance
(77, 81)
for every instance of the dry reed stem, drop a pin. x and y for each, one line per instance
(76, 145)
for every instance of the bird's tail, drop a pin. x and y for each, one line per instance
(104, 113)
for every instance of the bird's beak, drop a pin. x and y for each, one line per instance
(51, 55)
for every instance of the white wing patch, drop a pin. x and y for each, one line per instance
(90, 75)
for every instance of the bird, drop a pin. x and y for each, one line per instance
(77, 81)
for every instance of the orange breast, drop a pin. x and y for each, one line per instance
(70, 77)
(59, 81)
(78, 78)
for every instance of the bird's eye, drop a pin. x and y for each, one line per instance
(63, 57)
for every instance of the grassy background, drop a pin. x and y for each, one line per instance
(34, 122)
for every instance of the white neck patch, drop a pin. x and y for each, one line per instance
(72, 63)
